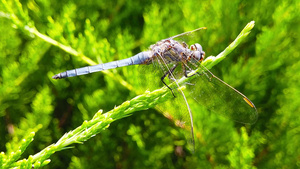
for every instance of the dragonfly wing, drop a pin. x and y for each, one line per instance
(175, 109)
(190, 37)
(186, 33)
(182, 112)
(178, 111)
(218, 97)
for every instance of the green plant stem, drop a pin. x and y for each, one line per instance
(101, 121)
(213, 60)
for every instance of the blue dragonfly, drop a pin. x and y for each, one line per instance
(175, 59)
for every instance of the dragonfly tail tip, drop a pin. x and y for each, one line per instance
(58, 76)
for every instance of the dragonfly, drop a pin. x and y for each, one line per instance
(176, 59)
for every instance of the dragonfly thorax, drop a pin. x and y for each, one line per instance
(171, 51)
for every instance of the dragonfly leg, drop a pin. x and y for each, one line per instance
(186, 72)
(168, 73)
(209, 77)
(171, 72)
(191, 84)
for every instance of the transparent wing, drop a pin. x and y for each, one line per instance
(149, 78)
(175, 109)
(178, 110)
(186, 33)
(220, 98)
(190, 37)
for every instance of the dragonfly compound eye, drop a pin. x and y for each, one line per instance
(197, 47)
(198, 53)
(197, 56)
(193, 47)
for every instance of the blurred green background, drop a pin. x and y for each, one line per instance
(265, 67)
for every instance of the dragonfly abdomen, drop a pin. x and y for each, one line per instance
(140, 58)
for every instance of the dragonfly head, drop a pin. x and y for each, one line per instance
(198, 53)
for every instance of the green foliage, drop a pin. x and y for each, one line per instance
(242, 155)
(113, 116)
